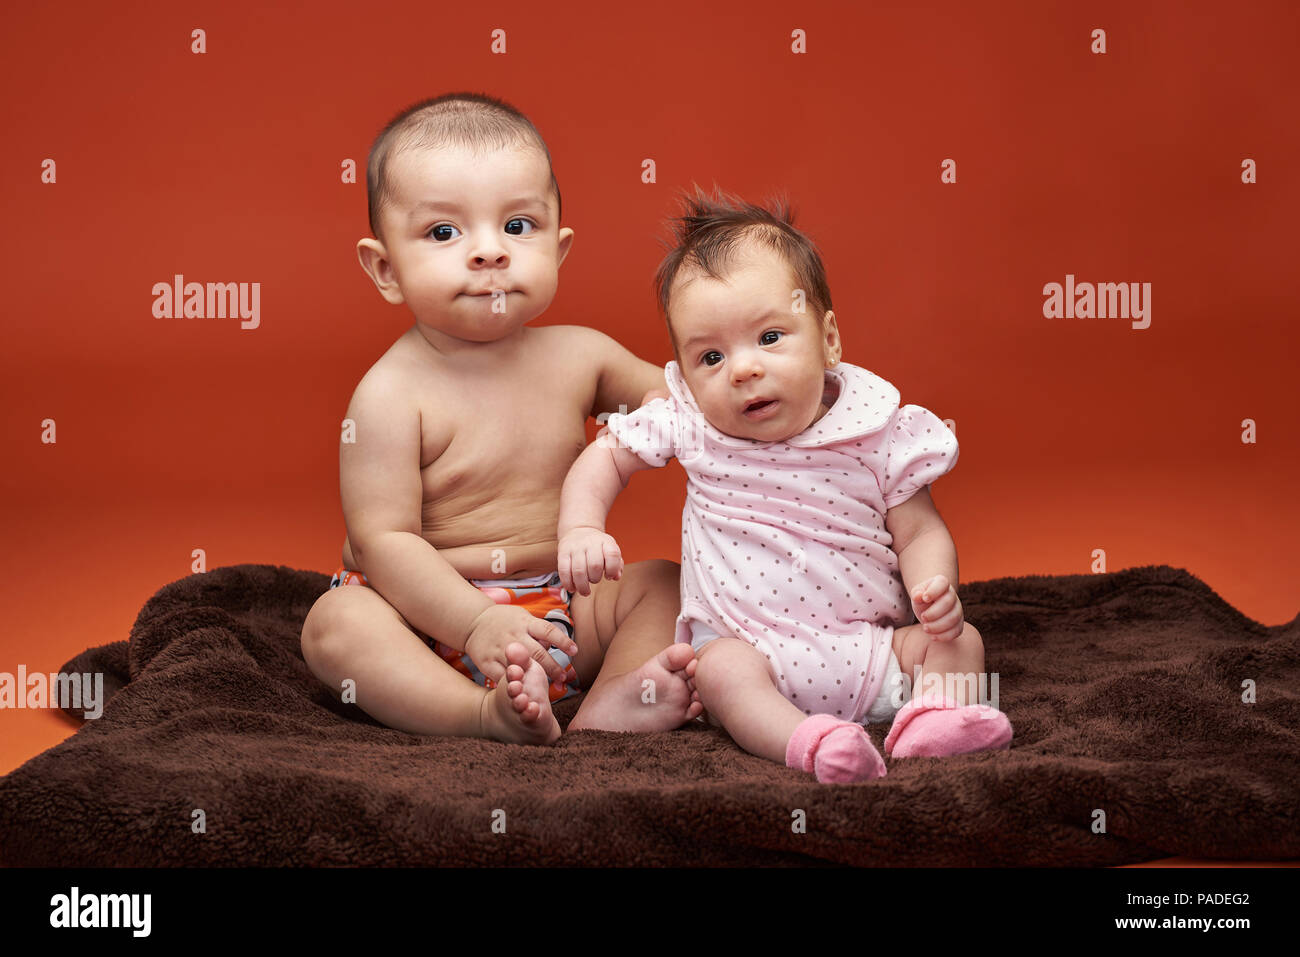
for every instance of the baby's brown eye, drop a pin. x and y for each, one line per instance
(769, 337)
(439, 232)
(521, 223)
(711, 358)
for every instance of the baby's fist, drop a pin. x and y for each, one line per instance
(923, 593)
(938, 608)
(585, 556)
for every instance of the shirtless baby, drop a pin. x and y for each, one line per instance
(454, 451)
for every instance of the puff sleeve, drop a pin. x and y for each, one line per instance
(652, 432)
(919, 449)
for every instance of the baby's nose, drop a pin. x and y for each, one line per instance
(746, 367)
(491, 257)
(489, 250)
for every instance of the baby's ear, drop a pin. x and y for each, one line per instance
(565, 242)
(374, 261)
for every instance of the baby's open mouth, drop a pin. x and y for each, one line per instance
(760, 407)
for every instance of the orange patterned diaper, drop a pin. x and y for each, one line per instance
(541, 596)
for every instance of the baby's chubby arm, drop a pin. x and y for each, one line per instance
(382, 496)
(623, 380)
(586, 552)
(927, 561)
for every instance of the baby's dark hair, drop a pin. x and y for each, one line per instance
(473, 120)
(712, 230)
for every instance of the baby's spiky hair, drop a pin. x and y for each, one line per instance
(473, 120)
(713, 230)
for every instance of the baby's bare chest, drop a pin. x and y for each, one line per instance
(479, 440)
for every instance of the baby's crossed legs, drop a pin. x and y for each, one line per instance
(353, 633)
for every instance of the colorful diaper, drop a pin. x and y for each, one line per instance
(541, 596)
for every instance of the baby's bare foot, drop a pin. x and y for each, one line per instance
(518, 709)
(658, 696)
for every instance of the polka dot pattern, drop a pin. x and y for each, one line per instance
(784, 544)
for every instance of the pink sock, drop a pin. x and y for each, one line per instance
(836, 751)
(938, 727)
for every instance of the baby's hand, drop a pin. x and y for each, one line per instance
(938, 608)
(502, 625)
(586, 555)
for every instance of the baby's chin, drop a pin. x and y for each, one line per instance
(772, 431)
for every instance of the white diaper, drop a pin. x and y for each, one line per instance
(701, 635)
(890, 700)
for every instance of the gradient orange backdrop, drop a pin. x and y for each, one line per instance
(1075, 435)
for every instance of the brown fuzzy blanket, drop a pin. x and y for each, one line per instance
(1125, 691)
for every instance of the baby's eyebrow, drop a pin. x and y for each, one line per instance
(434, 205)
(766, 317)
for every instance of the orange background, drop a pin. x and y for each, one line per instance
(1075, 434)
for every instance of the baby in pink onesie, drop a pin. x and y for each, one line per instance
(810, 543)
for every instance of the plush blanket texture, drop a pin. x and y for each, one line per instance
(1125, 691)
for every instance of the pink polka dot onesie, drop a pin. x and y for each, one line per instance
(784, 544)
